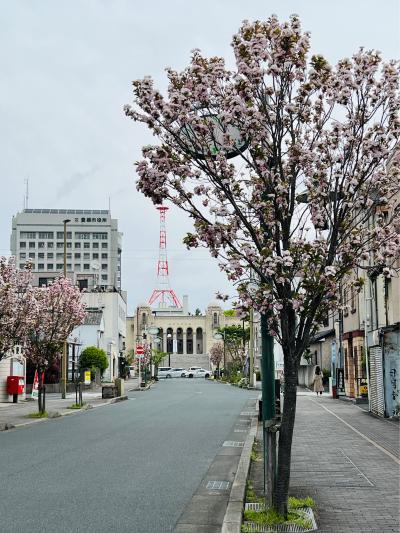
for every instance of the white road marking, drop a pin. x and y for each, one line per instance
(395, 459)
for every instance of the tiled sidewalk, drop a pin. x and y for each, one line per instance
(348, 461)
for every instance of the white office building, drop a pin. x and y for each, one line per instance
(93, 247)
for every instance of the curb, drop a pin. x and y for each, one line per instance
(58, 414)
(234, 512)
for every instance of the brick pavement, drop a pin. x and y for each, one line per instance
(351, 472)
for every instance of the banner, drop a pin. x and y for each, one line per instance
(35, 386)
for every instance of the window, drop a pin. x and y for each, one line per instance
(69, 266)
(50, 255)
(100, 236)
(352, 300)
(77, 267)
(104, 277)
(104, 256)
(46, 235)
(77, 245)
(86, 244)
(60, 256)
(32, 255)
(27, 234)
(104, 245)
(22, 244)
(22, 265)
(104, 266)
(95, 245)
(69, 255)
(60, 235)
(95, 256)
(50, 266)
(41, 266)
(22, 255)
(40, 244)
(60, 245)
(60, 266)
(50, 245)
(40, 255)
(86, 255)
(32, 245)
(85, 266)
(82, 235)
(77, 255)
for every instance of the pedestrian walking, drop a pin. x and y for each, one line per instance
(318, 385)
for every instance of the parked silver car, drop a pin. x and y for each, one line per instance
(163, 371)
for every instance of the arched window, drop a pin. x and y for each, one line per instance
(170, 340)
(215, 320)
(144, 319)
(199, 341)
(179, 340)
(189, 341)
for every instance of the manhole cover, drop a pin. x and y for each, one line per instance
(217, 485)
(233, 443)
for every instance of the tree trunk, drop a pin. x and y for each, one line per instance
(285, 438)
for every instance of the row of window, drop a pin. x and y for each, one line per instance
(85, 235)
(60, 267)
(77, 245)
(50, 255)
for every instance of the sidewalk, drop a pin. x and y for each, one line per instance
(347, 461)
(15, 414)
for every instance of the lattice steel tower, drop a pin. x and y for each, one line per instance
(164, 295)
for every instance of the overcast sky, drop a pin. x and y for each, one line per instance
(66, 72)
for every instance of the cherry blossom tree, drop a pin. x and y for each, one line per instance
(293, 209)
(216, 354)
(57, 309)
(15, 304)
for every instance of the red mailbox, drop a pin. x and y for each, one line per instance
(15, 385)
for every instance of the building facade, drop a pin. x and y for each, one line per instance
(187, 338)
(93, 245)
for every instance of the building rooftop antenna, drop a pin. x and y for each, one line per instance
(163, 294)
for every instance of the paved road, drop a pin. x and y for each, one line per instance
(128, 467)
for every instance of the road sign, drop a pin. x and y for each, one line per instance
(139, 349)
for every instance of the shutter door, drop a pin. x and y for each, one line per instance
(376, 381)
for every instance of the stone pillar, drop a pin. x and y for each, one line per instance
(184, 342)
(174, 342)
(165, 341)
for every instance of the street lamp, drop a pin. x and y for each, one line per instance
(153, 332)
(169, 336)
(64, 357)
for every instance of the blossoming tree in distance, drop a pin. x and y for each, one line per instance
(15, 304)
(294, 208)
(57, 310)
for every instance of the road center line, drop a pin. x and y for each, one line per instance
(395, 459)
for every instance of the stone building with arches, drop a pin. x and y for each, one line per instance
(186, 337)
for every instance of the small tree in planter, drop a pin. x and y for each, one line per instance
(216, 355)
(157, 357)
(57, 309)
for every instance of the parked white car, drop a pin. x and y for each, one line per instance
(163, 371)
(196, 372)
(175, 373)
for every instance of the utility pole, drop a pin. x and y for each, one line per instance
(64, 364)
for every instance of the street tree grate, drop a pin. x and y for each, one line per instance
(233, 444)
(281, 528)
(217, 485)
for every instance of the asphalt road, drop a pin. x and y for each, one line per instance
(127, 467)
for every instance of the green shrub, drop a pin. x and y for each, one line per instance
(93, 357)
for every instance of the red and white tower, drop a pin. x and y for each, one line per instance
(164, 295)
